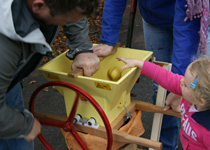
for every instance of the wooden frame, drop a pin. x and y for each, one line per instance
(119, 135)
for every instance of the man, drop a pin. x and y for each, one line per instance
(166, 34)
(26, 30)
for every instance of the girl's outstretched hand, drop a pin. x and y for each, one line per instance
(130, 62)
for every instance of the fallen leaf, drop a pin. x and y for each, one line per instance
(32, 82)
(46, 89)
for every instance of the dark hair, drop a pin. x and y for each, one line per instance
(86, 7)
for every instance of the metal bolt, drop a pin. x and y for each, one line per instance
(65, 128)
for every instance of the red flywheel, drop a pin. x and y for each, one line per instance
(68, 125)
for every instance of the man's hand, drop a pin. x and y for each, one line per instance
(36, 129)
(103, 50)
(89, 62)
(173, 101)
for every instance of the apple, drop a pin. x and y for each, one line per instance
(114, 73)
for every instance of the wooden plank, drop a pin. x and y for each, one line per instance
(160, 101)
(50, 117)
(148, 107)
(158, 117)
(120, 136)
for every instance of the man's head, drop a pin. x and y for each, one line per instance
(60, 7)
(60, 12)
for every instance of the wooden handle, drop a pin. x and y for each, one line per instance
(120, 136)
(80, 72)
(75, 73)
(148, 107)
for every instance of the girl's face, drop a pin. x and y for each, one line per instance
(187, 92)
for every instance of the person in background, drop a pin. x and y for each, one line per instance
(171, 30)
(27, 29)
(194, 89)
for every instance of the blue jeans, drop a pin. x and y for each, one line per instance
(160, 41)
(14, 99)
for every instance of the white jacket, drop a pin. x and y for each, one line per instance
(23, 43)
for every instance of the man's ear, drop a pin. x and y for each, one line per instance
(38, 6)
(201, 101)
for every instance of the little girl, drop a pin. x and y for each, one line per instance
(194, 88)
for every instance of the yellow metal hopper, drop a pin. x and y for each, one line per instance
(111, 95)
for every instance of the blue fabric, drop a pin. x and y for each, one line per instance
(203, 118)
(16, 144)
(157, 12)
(169, 132)
(160, 14)
(14, 99)
(160, 41)
(111, 21)
(186, 39)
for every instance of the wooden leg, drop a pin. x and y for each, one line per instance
(160, 101)
(157, 120)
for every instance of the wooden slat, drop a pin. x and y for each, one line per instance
(158, 117)
(50, 117)
(120, 136)
(160, 101)
(148, 107)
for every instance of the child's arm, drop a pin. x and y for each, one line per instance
(166, 79)
(129, 62)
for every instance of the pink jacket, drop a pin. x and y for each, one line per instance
(195, 126)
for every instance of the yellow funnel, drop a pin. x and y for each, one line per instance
(111, 95)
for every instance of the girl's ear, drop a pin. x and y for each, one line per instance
(201, 102)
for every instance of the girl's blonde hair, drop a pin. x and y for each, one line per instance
(200, 68)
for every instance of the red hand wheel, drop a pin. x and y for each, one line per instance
(68, 125)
